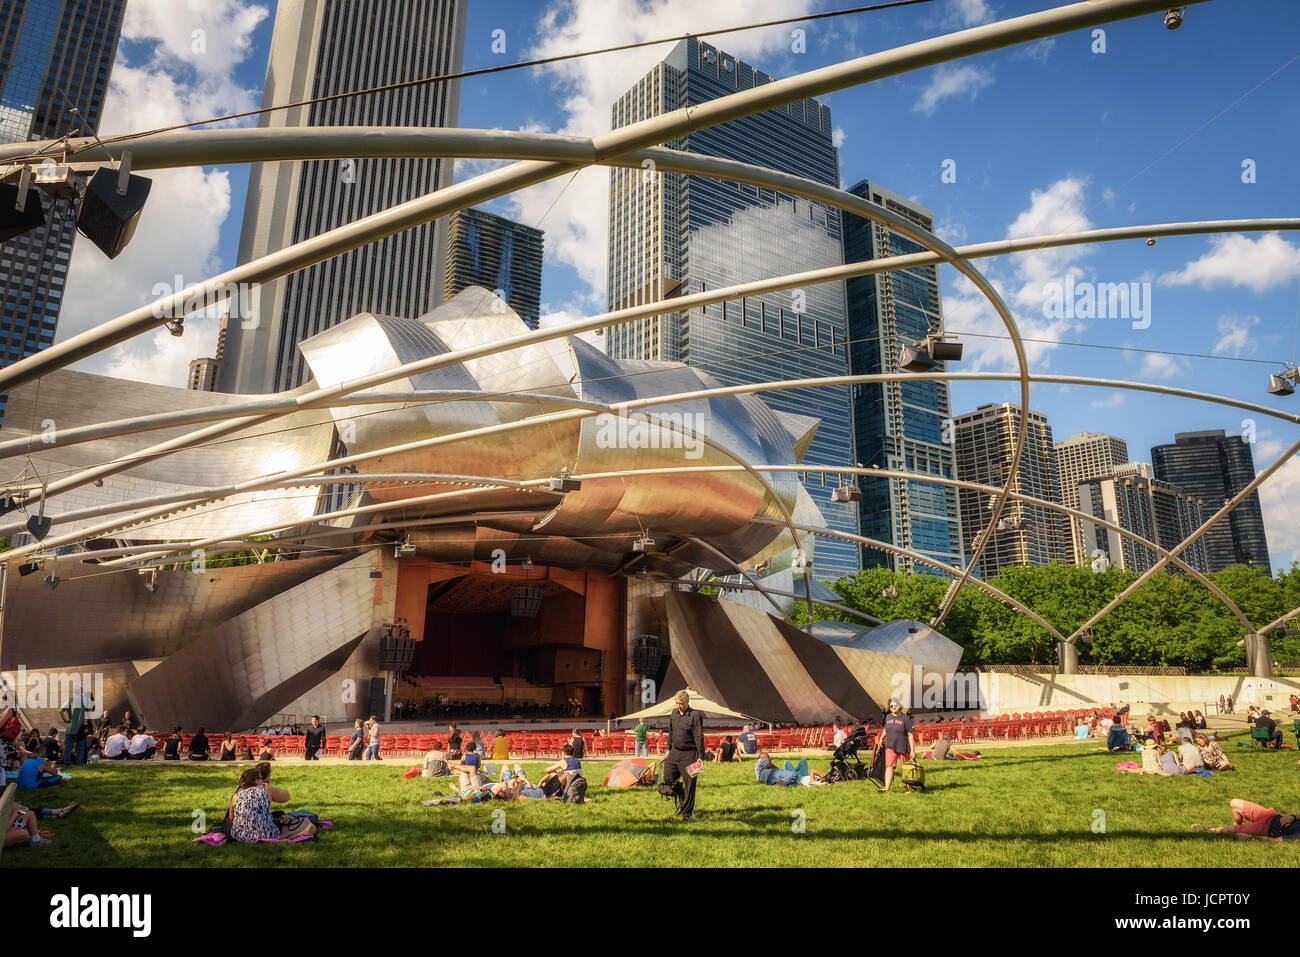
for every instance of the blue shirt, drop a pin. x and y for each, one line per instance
(1082, 731)
(573, 764)
(29, 774)
(763, 770)
(748, 742)
(470, 759)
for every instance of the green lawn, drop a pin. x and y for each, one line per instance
(1032, 806)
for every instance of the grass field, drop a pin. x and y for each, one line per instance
(1020, 806)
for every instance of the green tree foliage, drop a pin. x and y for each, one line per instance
(1171, 620)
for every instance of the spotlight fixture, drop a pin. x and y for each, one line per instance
(1174, 18)
(846, 493)
(643, 544)
(29, 568)
(99, 483)
(150, 579)
(53, 581)
(376, 573)
(1151, 240)
(641, 575)
(565, 482)
(7, 503)
(176, 327)
(20, 210)
(527, 564)
(404, 548)
(1280, 383)
(922, 356)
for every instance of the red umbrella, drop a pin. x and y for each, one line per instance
(626, 773)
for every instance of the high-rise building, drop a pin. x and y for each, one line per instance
(1081, 457)
(202, 375)
(672, 234)
(319, 48)
(898, 425)
(1027, 534)
(1215, 467)
(55, 55)
(1135, 501)
(498, 254)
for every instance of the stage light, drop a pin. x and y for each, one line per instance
(1279, 383)
(29, 568)
(111, 207)
(527, 564)
(53, 581)
(846, 493)
(150, 579)
(565, 482)
(643, 544)
(404, 548)
(176, 327)
(1151, 240)
(7, 503)
(922, 356)
(1173, 18)
(376, 573)
(915, 359)
(641, 575)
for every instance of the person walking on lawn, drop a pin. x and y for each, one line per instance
(685, 748)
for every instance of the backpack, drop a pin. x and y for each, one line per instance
(913, 776)
(577, 791)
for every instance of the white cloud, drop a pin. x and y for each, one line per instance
(1234, 335)
(1259, 264)
(1039, 50)
(1112, 401)
(574, 210)
(1160, 365)
(1021, 280)
(970, 13)
(837, 137)
(948, 80)
(181, 80)
(551, 317)
(1276, 498)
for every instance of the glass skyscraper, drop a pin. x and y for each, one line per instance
(54, 55)
(319, 48)
(899, 425)
(498, 254)
(1215, 467)
(672, 234)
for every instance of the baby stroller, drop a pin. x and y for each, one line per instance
(846, 765)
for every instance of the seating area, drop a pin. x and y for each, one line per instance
(537, 744)
(418, 691)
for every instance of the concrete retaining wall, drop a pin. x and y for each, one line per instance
(1147, 694)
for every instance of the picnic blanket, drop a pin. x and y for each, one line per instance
(956, 756)
(216, 837)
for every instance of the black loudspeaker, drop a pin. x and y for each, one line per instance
(647, 655)
(377, 696)
(107, 219)
(15, 222)
(396, 654)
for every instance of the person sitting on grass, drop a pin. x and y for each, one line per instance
(266, 754)
(566, 769)
(21, 827)
(726, 751)
(93, 745)
(1212, 755)
(1151, 763)
(250, 807)
(199, 746)
(435, 763)
(1198, 720)
(117, 745)
(228, 751)
(38, 772)
(143, 747)
(1189, 757)
(1117, 738)
(1083, 730)
(172, 746)
(1250, 820)
(245, 752)
(501, 747)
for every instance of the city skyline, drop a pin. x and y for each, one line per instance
(1231, 297)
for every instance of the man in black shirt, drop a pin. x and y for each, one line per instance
(685, 747)
(315, 736)
(1267, 723)
(579, 745)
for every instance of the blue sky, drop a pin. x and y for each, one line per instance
(1046, 138)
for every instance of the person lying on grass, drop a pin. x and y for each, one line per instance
(471, 778)
(1157, 759)
(1251, 820)
(514, 786)
(765, 772)
(21, 827)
